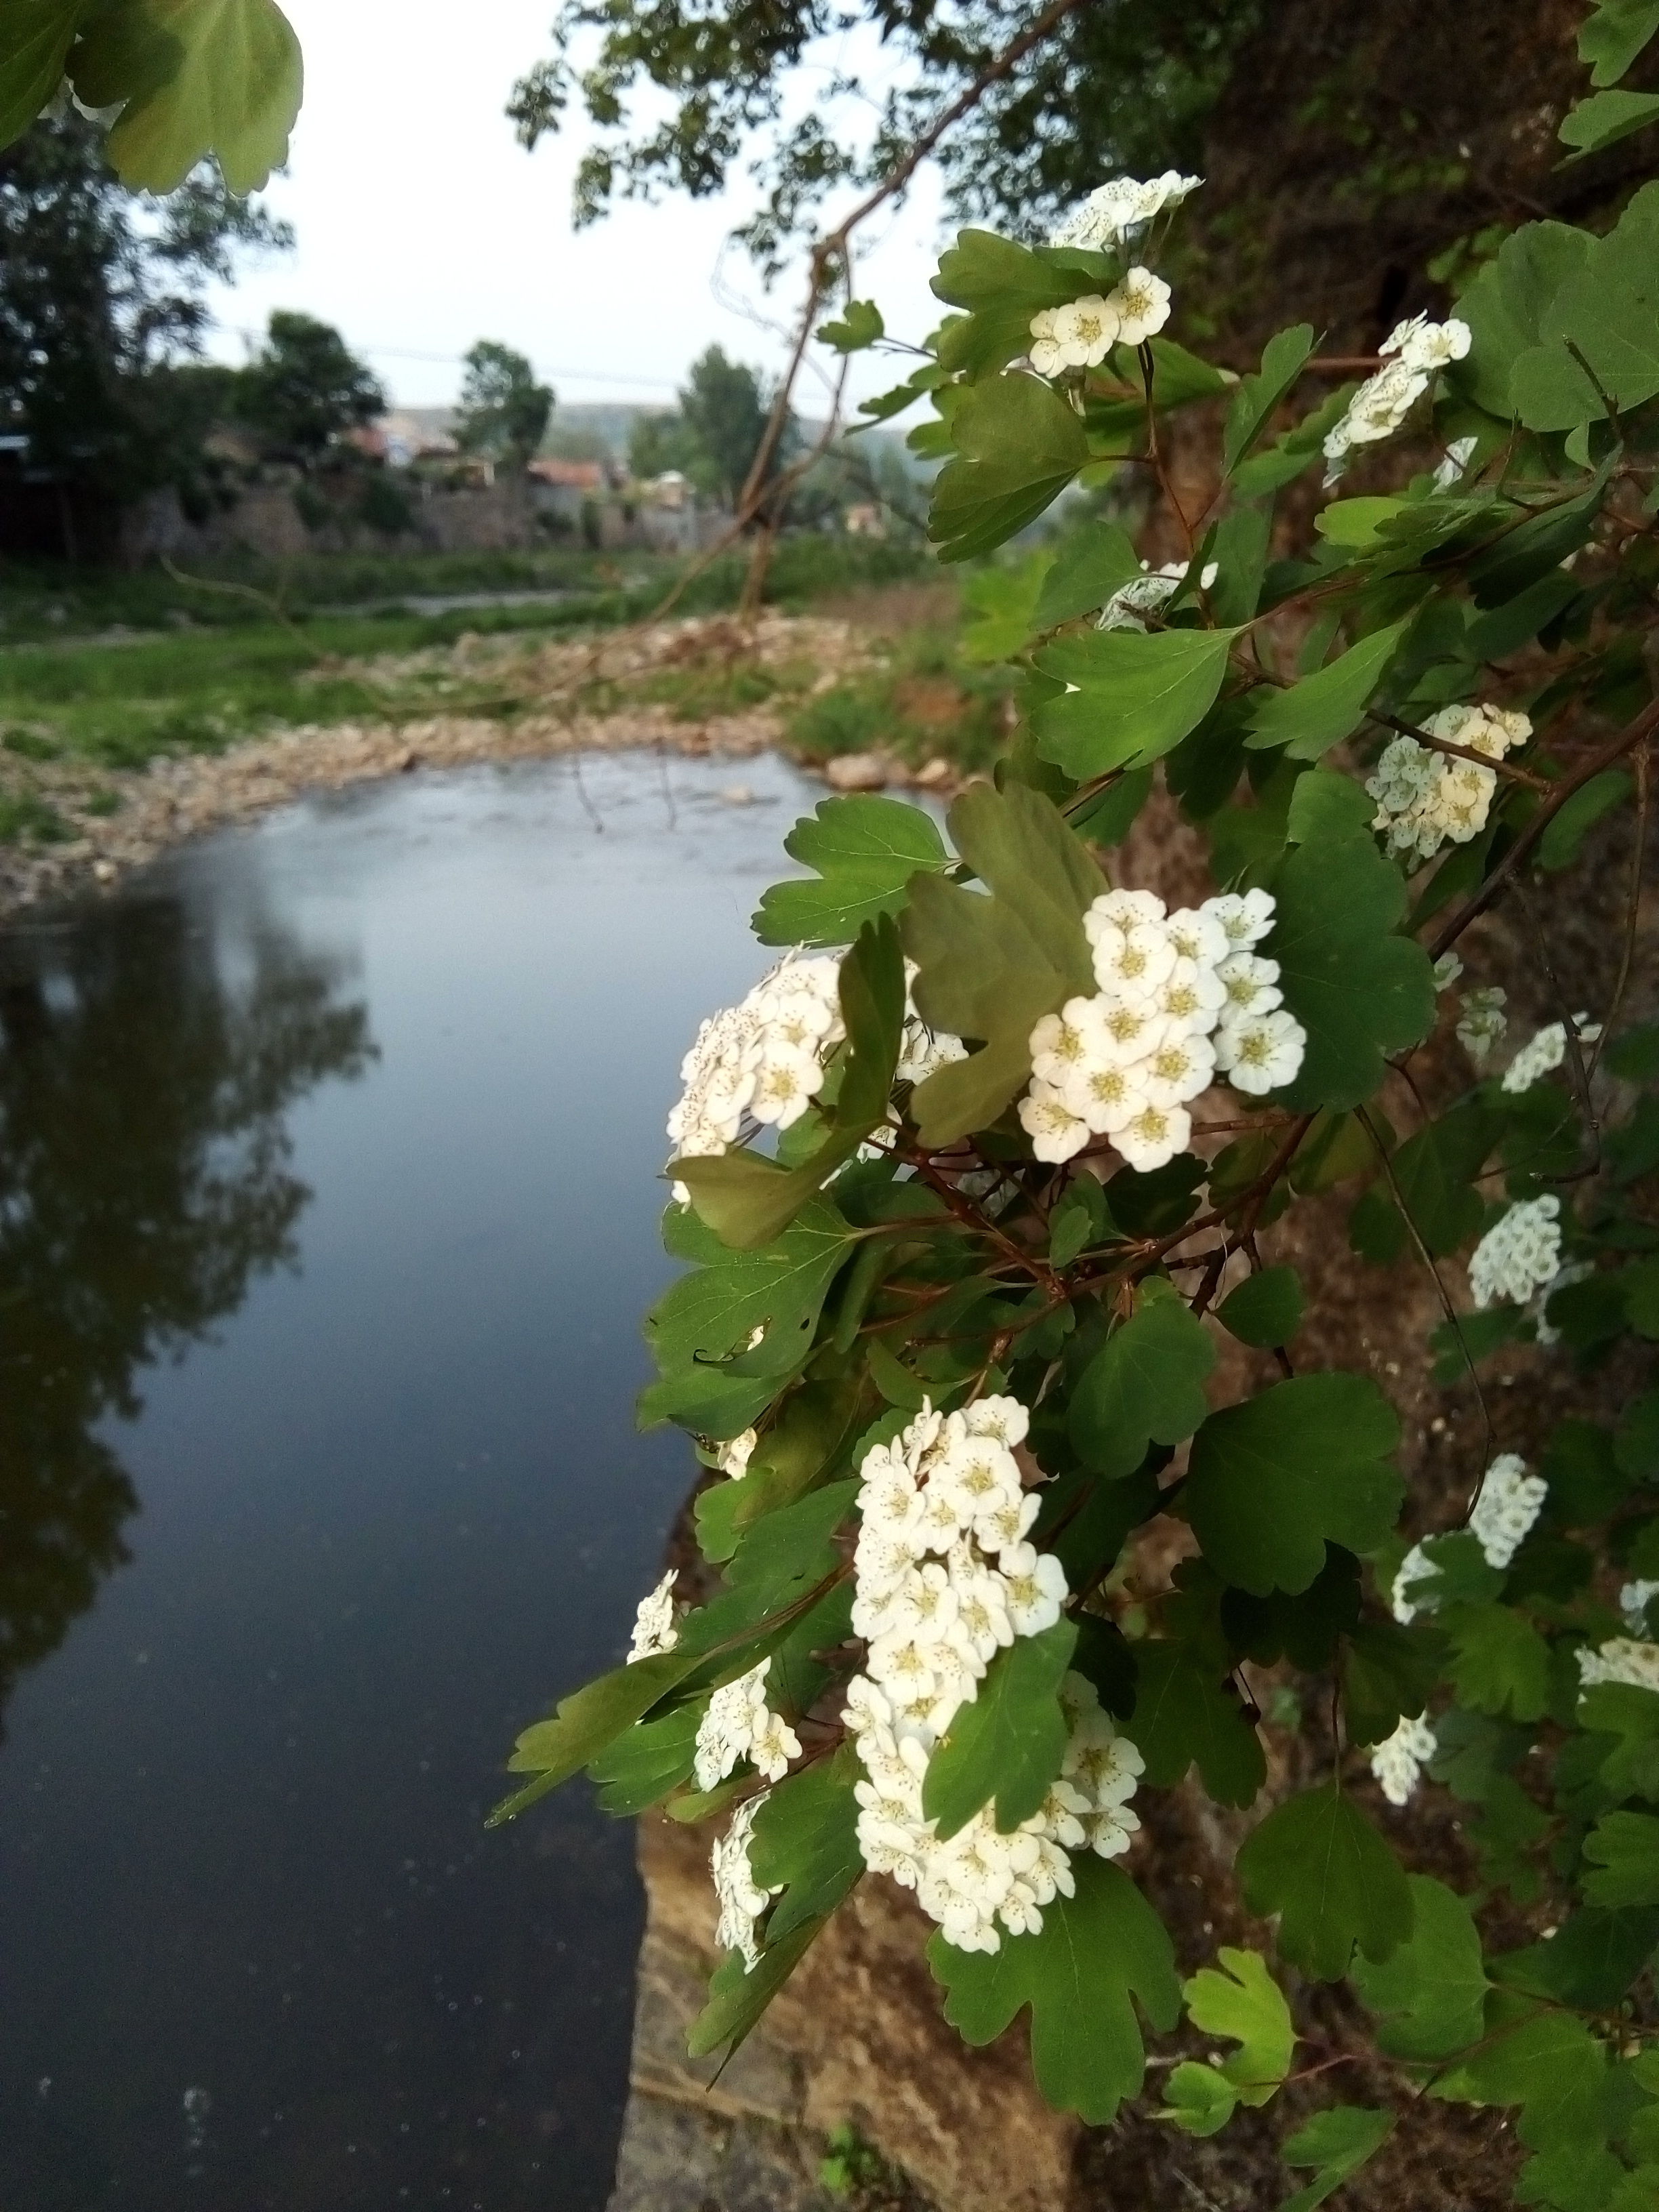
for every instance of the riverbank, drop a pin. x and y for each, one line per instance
(825, 689)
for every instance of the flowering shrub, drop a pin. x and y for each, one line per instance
(972, 1184)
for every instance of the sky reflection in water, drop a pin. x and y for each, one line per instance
(327, 1222)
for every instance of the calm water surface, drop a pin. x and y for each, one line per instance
(326, 1220)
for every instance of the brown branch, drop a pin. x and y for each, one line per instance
(1465, 752)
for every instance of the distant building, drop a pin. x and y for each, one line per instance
(562, 488)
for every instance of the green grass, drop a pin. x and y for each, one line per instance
(117, 704)
(25, 818)
(927, 700)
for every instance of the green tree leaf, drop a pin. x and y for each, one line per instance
(1327, 806)
(858, 325)
(1499, 1662)
(1088, 569)
(1318, 1863)
(737, 1997)
(1138, 695)
(865, 849)
(192, 77)
(1547, 2063)
(1309, 717)
(1614, 34)
(805, 1842)
(1272, 1480)
(1019, 446)
(1429, 1994)
(648, 1760)
(705, 1320)
(1008, 1742)
(1264, 1308)
(1358, 990)
(1144, 1385)
(1244, 2002)
(989, 969)
(1257, 396)
(1605, 117)
(585, 1723)
(37, 36)
(1388, 1672)
(1338, 2142)
(1001, 285)
(1624, 1847)
(1185, 1710)
(1097, 1952)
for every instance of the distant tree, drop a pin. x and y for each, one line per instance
(725, 409)
(661, 441)
(102, 313)
(305, 388)
(504, 411)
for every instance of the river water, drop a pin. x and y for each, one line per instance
(327, 1217)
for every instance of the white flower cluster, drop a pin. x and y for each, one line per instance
(1149, 594)
(1114, 211)
(1546, 1053)
(1183, 997)
(732, 1458)
(1633, 1602)
(921, 1050)
(1447, 969)
(1454, 467)
(1623, 1660)
(1083, 332)
(1414, 351)
(655, 1628)
(1424, 798)
(1398, 1763)
(765, 1057)
(1511, 1500)
(739, 1724)
(945, 1578)
(1518, 1253)
(740, 1897)
(1481, 1025)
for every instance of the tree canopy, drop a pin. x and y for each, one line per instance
(305, 387)
(504, 411)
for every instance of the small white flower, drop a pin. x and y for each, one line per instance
(1454, 467)
(1481, 1025)
(1142, 303)
(1623, 1660)
(1546, 1053)
(1416, 1567)
(1260, 1053)
(1035, 1585)
(1153, 1137)
(1046, 356)
(1509, 1502)
(654, 1630)
(732, 1458)
(1447, 969)
(1634, 1600)
(742, 1901)
(1056, 1131)
(1399, 1763)
(1086, 331)
(1114, 211)
(1518, 1253)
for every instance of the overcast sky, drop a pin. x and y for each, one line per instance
(422, 225)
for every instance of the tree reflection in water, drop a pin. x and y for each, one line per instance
(143, 1183)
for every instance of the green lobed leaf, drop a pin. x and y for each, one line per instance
(1359, 991)
(1591, 1959)
(1318, 1863)
(1388, 1672)
(737, 1997)
(1338, 2141)
(1257, 396)
(1327, 806)
(1245, 2003)
(1097, 1955)
(805, 1842)
(1559, 845)
(1503, 305)
(990, 968)
(1303, 1629)
(1018, 445)
(1274, 1478)
(1265, 1309)
(1435, 1172)
(1307, 719)
(1499, 1664)
(1007, 1743)
(858, 325)
(1001, 606)
(777, 1563)
(192, 77)
(1613, 35)
(1430, 1994)
(1625, 1849)
(1144, 1385)
(1186, 1711)
(1137, 695)
(1001, 285)
(864, 850)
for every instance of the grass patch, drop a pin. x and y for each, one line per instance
(925, 702)
(26, 818)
